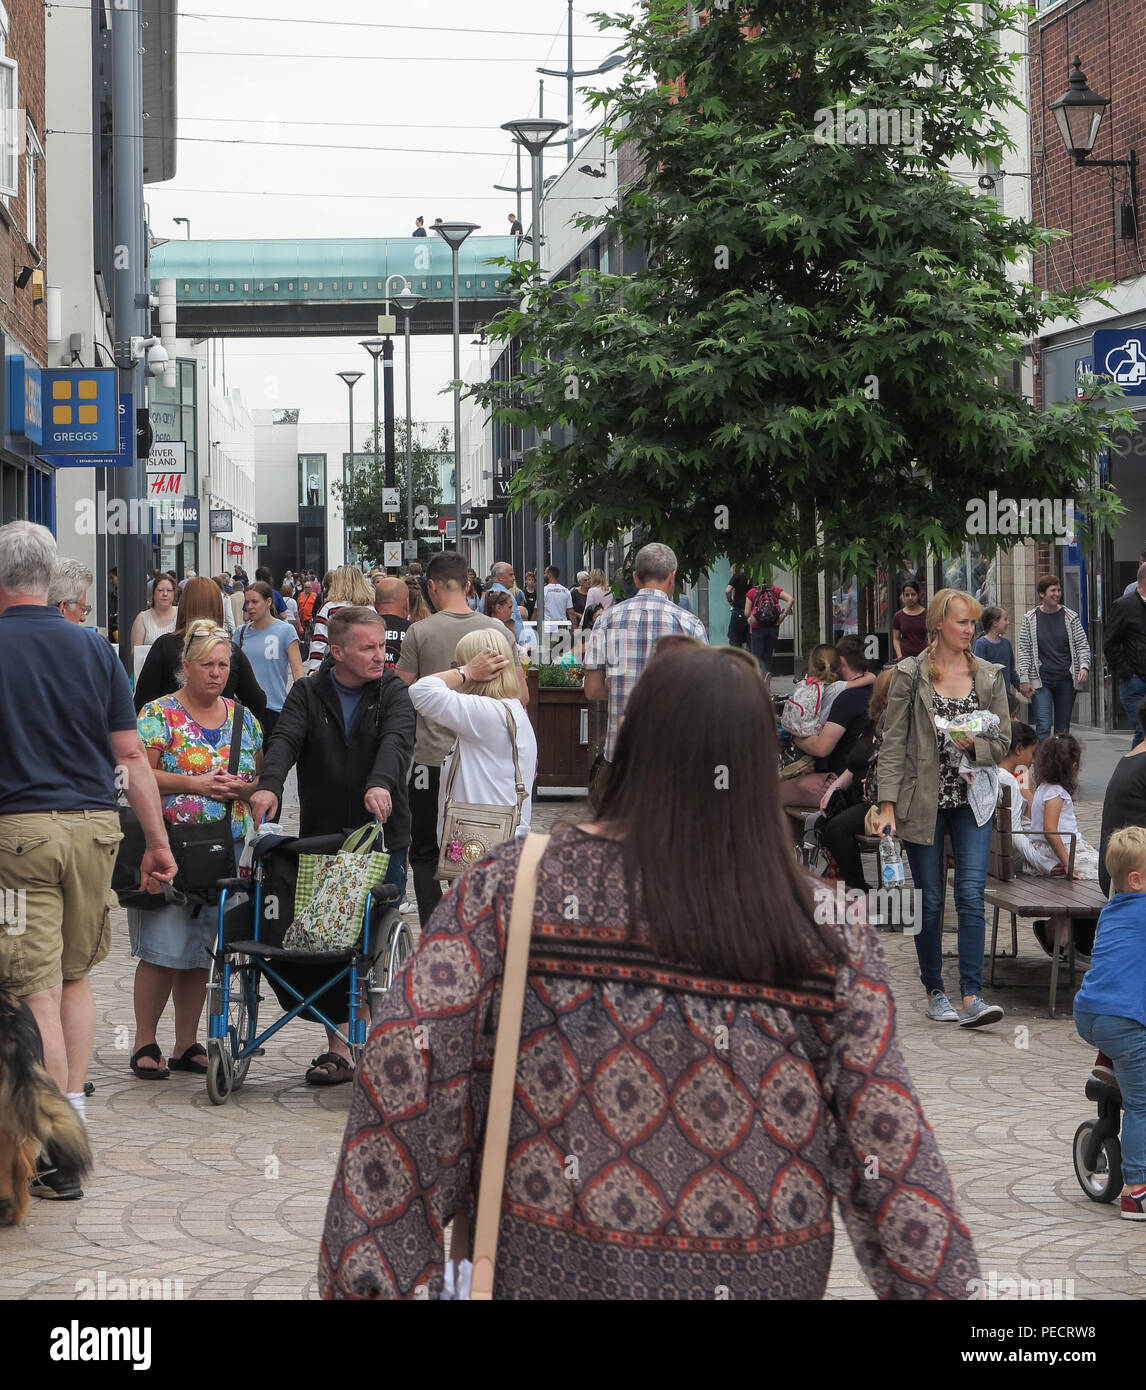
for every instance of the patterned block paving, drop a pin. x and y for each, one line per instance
(227, 1202)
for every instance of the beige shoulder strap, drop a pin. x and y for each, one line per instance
(505, 1051)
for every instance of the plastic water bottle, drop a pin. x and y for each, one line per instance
(891, 870)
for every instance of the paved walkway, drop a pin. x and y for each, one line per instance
(227, 1202)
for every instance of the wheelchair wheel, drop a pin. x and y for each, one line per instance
(218, 1070)
(399, 949)
(1101, 1178)
(240, 1011)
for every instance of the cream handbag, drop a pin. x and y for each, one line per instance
(470, 831)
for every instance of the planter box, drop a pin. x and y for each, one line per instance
(561, 724)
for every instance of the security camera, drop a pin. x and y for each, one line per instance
(156, 359)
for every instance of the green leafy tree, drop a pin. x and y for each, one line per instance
(814, 367)
(361, 495)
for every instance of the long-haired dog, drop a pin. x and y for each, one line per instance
(33, 1112)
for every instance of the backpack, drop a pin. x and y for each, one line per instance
(766, 607)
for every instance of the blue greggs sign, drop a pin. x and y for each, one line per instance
(80, 411)
(25, 400)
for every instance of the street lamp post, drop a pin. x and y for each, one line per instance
(535, 133)
(569, 73)
(351, 379)
(453, 234)
(408, 301)
(377, 347)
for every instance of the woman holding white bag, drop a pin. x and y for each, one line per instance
(478, 700)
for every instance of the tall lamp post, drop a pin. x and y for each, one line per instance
(453, 234)
(569, 73)
(534, 133)
(351, 379)
(408, 300)
(384, 348)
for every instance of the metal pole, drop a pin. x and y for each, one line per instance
(132, 316)
(376, 428)
(388, 421)
(569, 102)
(517, 181)
(539, 582)
(409, 447)
(345, 525)
(457, 407)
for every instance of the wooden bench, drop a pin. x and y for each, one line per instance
(1060, 900)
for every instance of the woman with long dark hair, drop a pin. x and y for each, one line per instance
(162, 672)
(706, 1060)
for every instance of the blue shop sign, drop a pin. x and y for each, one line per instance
(81, 411)
(1120, 354)
(179, 515)
(123, 459)
(25, 402)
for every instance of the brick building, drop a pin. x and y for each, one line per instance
(25, 483)
(1103, 244)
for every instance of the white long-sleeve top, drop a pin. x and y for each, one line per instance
(485, 775)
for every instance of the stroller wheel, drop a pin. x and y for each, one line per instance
(1097, 1167)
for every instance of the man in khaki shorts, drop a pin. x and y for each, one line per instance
(71, 737)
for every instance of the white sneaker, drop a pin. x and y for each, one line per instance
(978, 1012)
(939, 1009)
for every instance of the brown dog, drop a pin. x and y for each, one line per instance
(33, 1113)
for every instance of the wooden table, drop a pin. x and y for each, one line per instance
(1059, 900)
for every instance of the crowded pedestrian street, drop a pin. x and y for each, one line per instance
(228, 1203)
(573, 668)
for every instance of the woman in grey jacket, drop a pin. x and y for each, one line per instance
(921, 792)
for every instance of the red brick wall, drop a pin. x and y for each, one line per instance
(1110, 38)
(18, 316)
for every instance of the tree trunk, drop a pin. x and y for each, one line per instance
(808, 582)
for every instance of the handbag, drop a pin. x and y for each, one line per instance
(203, 854)
(328, 917)
(469, 831)
(502, 1080)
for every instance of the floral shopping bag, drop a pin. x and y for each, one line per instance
(331, 891)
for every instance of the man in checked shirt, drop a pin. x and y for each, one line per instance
(622, 639)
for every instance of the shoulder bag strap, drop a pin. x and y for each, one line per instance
(238, 720)
(494, 1151)
(519, 785)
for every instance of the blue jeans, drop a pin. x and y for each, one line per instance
(1058, 697)
(1130, 692)
(972, 846)
(1124, 1042)
(762, 643)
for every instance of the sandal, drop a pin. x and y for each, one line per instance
(188, 1061)
(329, 1070)
(155, 1073)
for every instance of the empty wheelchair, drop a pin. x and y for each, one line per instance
(319, 986)
(1097, 1152)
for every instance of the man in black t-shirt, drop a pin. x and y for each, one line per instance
(392, 601)
(736, 591)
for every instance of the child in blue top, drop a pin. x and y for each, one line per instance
(1110, 1008)
(995, 645)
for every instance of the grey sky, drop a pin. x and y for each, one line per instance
(399, 121)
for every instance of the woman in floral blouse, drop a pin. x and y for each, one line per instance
(188, 741)
(706, 1060)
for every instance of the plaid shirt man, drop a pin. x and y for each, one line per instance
(621, 642)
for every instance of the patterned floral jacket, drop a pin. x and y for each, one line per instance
(673, 1136)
